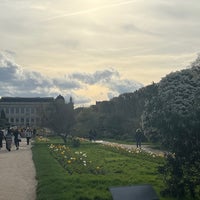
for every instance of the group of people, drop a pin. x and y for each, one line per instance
(15, 134)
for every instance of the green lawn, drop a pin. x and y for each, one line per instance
(119, 168)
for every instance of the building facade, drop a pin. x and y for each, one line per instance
(21, 111)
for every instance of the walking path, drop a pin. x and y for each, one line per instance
(145, 148)
(17, 173)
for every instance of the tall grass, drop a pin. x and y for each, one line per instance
(119, 169)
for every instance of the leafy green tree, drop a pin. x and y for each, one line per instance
(173, 115)
(86, 119)
(59, 117)
(118, 118)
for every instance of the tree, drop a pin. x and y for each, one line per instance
(174, 114)
(59, 117)
(3, 120)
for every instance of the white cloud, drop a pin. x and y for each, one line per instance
(103, 76)
(17, 81)
(134, 37)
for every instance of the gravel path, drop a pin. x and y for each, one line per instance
(145, 148)
(17, 173)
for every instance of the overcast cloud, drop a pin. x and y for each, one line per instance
(93, 48)
(17, 81)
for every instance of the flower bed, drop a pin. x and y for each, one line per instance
(136, 152)
(74, 161)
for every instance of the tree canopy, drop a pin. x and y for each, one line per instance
(173, 116)
(59, 117)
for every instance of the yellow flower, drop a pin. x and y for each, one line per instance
(69, 161)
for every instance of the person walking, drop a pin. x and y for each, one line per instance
(1, 139)
(34, 132)
(28, 135)
(8, 140)
(138, 136)
(17, 138)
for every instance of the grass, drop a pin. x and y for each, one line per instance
(119, 169)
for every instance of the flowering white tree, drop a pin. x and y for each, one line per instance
(174, 112)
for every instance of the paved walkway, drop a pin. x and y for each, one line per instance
(17, 173)
(145, 148)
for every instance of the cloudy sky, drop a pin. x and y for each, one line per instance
(93, 50)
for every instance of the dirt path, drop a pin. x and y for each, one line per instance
(146, 148)
(17, 173)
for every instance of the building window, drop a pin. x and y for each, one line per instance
(12, 120)
(17, 120)
(22, 110)
(37, 110)
(22, 120)
(32, 110)
(32, 120)
(12, 110)
(16, 110)
(7, 110)
(27, 110)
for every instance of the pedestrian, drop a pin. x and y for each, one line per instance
(28, 134)
(138, 136)
(1, 139)
(17, 138)
(8, 140)
(90, 135)
(34, 132)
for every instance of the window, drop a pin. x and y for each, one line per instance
(32, 110)
(12, 110)
(7, 110)
(22, 110)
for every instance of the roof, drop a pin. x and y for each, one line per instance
(59, 97)
(26, 99)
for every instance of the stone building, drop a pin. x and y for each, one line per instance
(21, 111)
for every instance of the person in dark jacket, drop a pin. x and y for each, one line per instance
(28, 135)
(138, 136)
(8, 138)
(17, 138)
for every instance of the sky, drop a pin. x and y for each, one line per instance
(93, 50)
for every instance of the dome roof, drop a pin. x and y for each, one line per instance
(60, 98)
